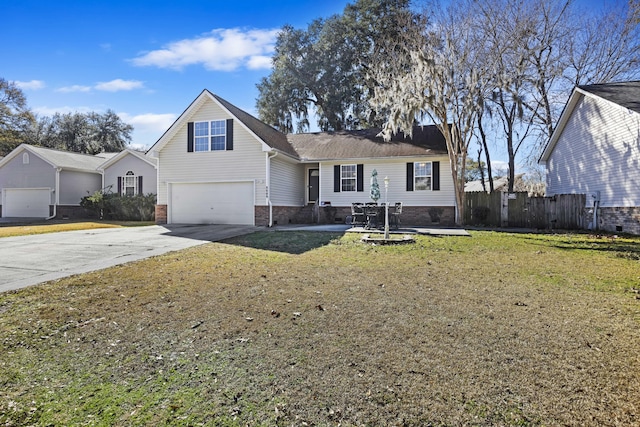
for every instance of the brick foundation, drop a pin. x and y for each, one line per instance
(73, 212)
(411, 215)
(161, 214)
(616, 219)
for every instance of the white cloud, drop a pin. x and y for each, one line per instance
(30, 85)
(149, 121)
(259, 62)
(74, 88)
(219, 50)
(50, 111)
(118, 85)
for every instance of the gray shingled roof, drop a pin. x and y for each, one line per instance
(272, 137)
(626, 94)
(342, 144)
(69, 160)
(363, 144)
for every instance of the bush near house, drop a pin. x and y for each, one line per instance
(122, 208)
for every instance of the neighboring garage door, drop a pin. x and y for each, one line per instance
(26, 202)
(212, 203)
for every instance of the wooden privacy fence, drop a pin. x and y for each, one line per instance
(563, 211)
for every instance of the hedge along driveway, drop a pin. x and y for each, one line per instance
(29, 260)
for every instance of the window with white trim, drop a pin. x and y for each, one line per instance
(129, 184)
(348, 177)
(422, 176)
(210, 136)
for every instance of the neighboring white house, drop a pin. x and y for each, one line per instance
(218, 164)
(41, 182)
(595, 150)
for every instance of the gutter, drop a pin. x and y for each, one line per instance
(57, 195)
(269, 157)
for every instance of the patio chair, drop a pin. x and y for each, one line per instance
(372, 211)
(395, 216)
(358, 216)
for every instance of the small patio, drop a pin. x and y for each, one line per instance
(346, 228)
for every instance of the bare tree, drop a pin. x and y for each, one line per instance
(542, 49)
(439, 75)
(605, 47)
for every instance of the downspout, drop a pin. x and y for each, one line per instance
(269, 157)
(57, 195)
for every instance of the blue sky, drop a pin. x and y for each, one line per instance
(146, 60)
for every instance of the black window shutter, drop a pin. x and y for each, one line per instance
(360, 177)
(229, 134)
(190, 137)
(410, 176)
(435, 170)
(120, 185)
(336, 178)
(140, 185)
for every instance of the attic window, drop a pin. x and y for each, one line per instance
(210, 136)
(25, 158)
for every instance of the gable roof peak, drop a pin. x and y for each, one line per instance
(262, 131)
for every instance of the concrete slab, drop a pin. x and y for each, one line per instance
(29, 260)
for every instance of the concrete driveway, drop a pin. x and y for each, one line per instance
(29, 260)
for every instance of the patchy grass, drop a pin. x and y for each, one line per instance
(56, 226)
(294, 328)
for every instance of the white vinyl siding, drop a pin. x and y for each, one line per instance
(246, 162)
(396, 170)
(287, 182)
(598, 150)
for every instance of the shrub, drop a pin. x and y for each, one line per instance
(123, 208)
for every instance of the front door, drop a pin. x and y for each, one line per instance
(314, 185)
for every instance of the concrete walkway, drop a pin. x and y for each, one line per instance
(29, 260)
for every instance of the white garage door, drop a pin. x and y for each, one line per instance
(26, 202)
(212, 203)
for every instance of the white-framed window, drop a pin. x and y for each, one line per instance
(422, 176)
(25, 158)
(348, 177)
(210, 136)
(129, 184)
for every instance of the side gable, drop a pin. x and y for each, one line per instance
(130, 162)
(622, 96)
(128, 152)
(19, 150)
(66, 160)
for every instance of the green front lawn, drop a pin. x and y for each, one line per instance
(303, 328)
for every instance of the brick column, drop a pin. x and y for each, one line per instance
(161, 214)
